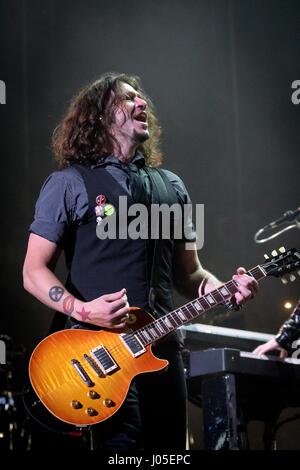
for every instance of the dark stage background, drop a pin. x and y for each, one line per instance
(220, 74)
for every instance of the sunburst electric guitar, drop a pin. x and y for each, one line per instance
(82, 377)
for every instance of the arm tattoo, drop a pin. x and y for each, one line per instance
(84, 314)
(56, 293)
(68, 304)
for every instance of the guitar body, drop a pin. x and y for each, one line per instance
(73, 389)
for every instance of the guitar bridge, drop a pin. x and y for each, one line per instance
(94, 365)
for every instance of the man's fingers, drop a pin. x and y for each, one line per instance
(260, 350)
(269, 346)
(118, 326)
(120, 303)
(121, 314)
(283, 353)
(246, 282)
(245, 279)
(241, 270)
(257, 350)
(114, 296)
(243, 294)
(239, 299)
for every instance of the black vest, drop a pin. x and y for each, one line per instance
(99, 267)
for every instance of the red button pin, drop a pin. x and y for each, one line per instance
(100, 199)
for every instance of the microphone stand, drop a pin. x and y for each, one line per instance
(295, 224)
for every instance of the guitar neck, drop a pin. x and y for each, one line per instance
(197, 307)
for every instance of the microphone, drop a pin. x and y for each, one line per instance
(288, 216)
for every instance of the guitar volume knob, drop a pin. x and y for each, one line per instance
(91, 412)
(93, 395)
(76, 404)
(108, 402)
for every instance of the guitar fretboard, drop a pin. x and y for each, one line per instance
(178, 317)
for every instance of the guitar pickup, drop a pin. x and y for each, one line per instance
(104, 359)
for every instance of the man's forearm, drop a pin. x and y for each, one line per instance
(46, 287)
(189, 285)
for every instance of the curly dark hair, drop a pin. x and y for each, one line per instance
(83, 135)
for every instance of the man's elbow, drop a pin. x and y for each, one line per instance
(27, 282)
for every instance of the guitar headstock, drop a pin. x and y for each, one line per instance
(282, 263)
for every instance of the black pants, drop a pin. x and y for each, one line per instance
(153, 417)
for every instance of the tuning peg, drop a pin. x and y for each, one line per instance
(292, 277)
(284, 280)
(274, 253)
(282, 249)
(266, 256)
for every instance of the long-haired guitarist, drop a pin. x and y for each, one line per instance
(107, 146)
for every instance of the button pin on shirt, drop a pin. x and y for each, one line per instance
(101, 199)
(102, 209)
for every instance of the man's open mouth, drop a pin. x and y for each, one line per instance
(142, 117)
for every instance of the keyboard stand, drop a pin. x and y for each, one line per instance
(220, 412)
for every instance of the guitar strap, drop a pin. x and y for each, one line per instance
(162, 190)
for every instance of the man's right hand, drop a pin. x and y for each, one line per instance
(107, 311)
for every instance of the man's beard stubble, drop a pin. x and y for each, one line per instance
(139, 137)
